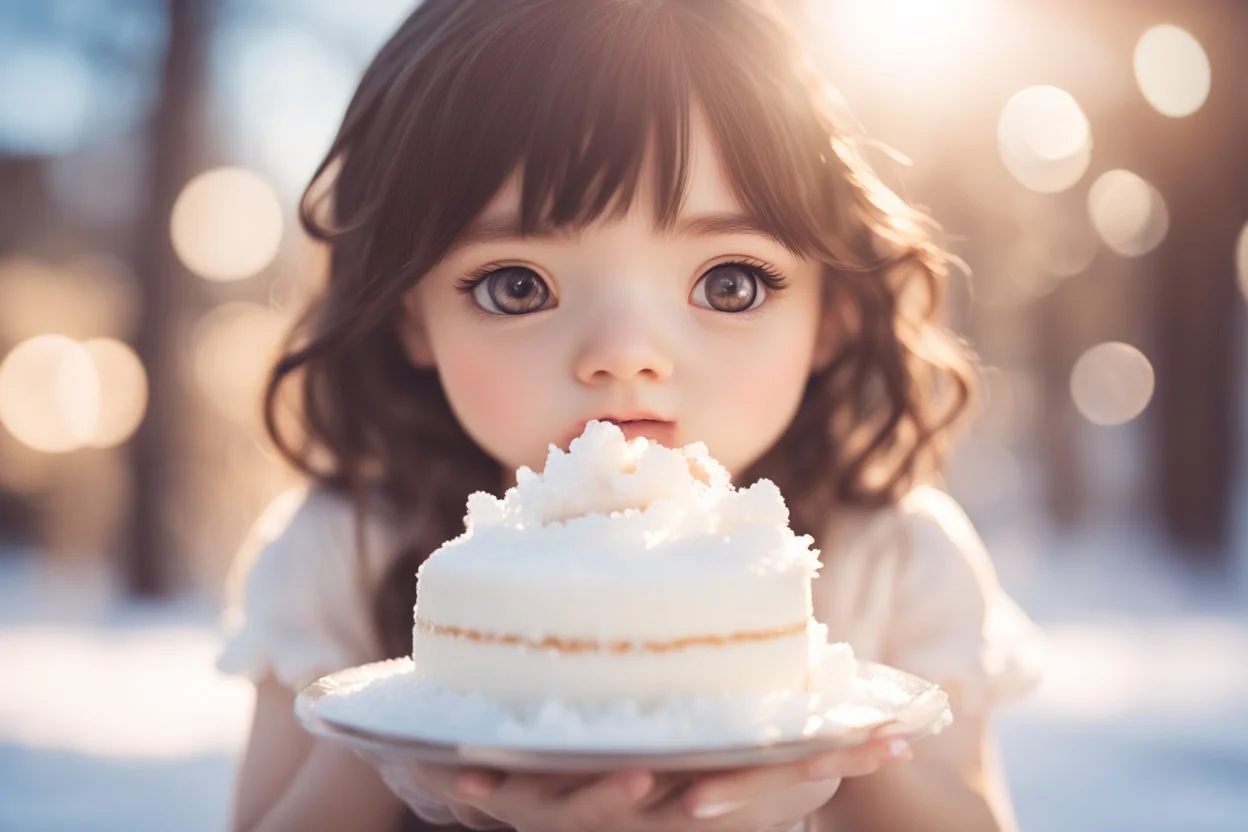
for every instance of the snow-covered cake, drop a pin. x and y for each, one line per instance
(624, 571)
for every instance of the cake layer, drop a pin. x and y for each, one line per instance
(517, 674)
(607, 607)
(625, 571)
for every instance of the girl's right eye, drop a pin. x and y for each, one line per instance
(511, 290)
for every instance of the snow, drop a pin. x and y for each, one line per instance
(118, 721)
(1140, 723)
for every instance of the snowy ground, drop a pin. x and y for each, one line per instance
(112, 718)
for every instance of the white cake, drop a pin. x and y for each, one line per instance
(624, 571)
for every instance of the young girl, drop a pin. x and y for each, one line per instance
(542, 212)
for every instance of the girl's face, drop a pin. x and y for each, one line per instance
(706, 333)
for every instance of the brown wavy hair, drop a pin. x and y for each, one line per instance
(585, 98)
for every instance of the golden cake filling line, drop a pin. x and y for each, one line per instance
(618, 647)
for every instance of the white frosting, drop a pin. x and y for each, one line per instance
(624, 570)
(634, 508)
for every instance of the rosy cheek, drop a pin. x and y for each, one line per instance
(768, 367)
(495, 394)
(479, 379)
(763, 386)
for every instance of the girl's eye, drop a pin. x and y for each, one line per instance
(730, 287)
(513, 290)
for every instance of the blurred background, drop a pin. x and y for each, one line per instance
(1088, 160)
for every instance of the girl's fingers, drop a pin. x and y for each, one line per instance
(855, 762)
(667, 790)
(431, 792)
(415, 790)
(528, 800)
(562, 785)
(471, 784)
(722, 794)
(454, 783)
(593, 806)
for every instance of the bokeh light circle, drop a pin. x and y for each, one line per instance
(1128, 213)
(123, 391)
(1044, 139)
(50, 394)
(1172, 70)
(227, 224)
(1112, 383)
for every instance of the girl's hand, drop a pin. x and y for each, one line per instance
(744, 800)
(779, 797)
(429, 791)
(483, 799)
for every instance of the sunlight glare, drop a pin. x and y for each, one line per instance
(919, 48)
(915, 19)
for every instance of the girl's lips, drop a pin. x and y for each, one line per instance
(662, 432)
(655, 430)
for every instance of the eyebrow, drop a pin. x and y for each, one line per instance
(507, 227)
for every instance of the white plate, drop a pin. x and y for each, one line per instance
(356, 707)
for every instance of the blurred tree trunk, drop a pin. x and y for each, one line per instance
(1196, 309)
(148, 556)
(1059, 341)
(1203, 176)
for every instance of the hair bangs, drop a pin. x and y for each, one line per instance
(590, 109)
(600, 111)
(621, 90)
(610, 121)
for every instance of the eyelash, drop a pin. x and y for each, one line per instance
(469, 282)
(767, 274)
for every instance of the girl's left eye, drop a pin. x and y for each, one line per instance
(734, 287)
(511, 290)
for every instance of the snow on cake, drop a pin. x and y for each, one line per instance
(624, 571)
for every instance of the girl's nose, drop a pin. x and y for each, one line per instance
(623, 346)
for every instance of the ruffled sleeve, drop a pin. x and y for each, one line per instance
(298, 604)
(914, 588)
(955, 624)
